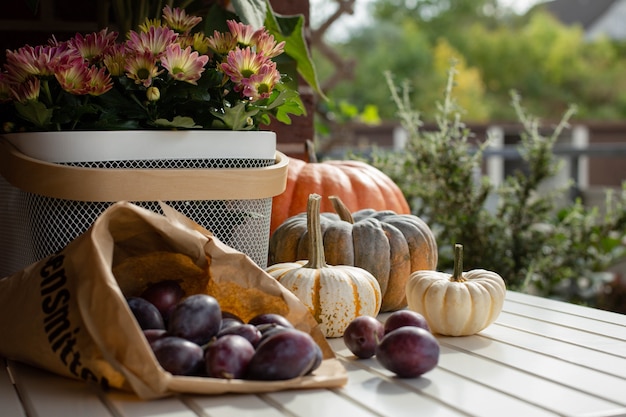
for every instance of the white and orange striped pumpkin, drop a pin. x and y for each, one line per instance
(335, 295)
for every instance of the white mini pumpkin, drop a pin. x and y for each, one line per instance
(460, 304)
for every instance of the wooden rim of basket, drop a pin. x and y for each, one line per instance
(135, 184)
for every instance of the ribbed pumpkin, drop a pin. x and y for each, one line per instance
(388, 245)
(358, 184)
(335, 295)
(457, 304)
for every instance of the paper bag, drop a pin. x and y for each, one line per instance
(68, 314)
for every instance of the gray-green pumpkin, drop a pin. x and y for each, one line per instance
(388, 245)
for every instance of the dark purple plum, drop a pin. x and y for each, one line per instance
(402, 318)
(284, 355)
(251, 333)
(408, 351)
(154, 334)
(362, 335)
(164, 295)
(228, 357)
(317, 361)
(146, 313)
(268, 329)
(229, 322)
(229, 315)
(196, 318)
(178, 356)
(270, 318)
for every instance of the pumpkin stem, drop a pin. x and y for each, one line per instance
(457, 274)
(310, 151)
(316, 259)
(341, 209)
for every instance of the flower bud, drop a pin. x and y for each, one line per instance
(153, 93)
(8, 127)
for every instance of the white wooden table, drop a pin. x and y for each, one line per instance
(541, 358)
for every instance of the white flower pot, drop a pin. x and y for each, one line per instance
(144, 144)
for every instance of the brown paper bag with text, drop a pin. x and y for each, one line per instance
(68, 314)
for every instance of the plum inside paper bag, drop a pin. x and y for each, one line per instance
(125, 250)
(143, 257)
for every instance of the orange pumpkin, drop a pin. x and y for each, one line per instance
(358, 184)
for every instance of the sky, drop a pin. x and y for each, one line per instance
(520, 6)
(319, 14)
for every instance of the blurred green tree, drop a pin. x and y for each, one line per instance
(550, 64)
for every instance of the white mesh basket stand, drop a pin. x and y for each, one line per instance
(44, 205)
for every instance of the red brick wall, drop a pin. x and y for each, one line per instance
(607, 171)
(291, 139)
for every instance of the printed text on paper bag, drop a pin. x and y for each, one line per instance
(55, 305)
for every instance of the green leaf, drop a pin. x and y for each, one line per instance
(237, 117)
(251, 12)
(215, 19)
(291, 30)
(179, 122)
(291, 106)
(35, 112)
(370, 115)
(287, 101)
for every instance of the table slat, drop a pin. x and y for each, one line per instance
(519, 383)
(386, 398)
(591, 358)
(129, 405)
(570, 335)
(318, 403)
(590, 381)
(47, 395)
(450, 390)
(232, 405)
(9, 401)
(570, 308)
(579, 322)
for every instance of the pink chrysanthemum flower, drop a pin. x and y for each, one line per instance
(244, 34)
(33, 61)
(27, 90)
(73, 76)
(222, 43)
(115, 60)
(142, 68)
(242, 63)
(22, 64)
(98, 82)
(266, 44)
(94, 45)
(261, 84)
(178, 20)
(154, 41)
(162, 56)
(183, 64)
